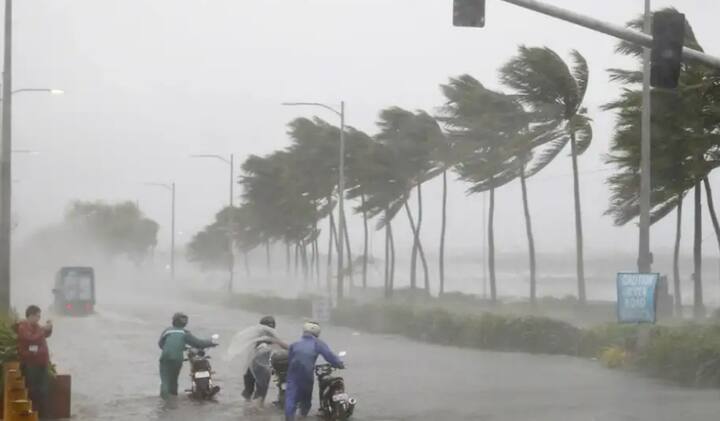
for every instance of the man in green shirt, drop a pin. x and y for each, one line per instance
(172, 342)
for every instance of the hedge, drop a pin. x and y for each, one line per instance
(688, 354)
(268, 304)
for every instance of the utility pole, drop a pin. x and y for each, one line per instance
(341, 205)
(6, 167)
(644, 255)
(229, 229)
(171, 188)
(172, 236)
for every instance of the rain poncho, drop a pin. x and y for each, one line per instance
(301, 373)
(251, 345)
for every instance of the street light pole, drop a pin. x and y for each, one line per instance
(341, 205)
(232, 178)
(230, 227)
(341, 188)
(5, 167)
(172, 236)
(171, 188)
(644, 256)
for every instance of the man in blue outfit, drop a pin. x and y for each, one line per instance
(301, 369)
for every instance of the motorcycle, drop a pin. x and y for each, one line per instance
(335, 403)
(201, 382)
(279, 364)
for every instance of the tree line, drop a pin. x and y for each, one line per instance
(488, 138)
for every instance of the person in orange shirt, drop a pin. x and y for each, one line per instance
(35, 356)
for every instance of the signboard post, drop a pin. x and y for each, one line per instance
(637, 297)
(321, 309)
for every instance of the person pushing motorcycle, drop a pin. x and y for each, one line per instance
(301, 369)
(257, 377)
(172, 343)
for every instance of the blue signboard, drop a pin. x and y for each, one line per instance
(636, 301)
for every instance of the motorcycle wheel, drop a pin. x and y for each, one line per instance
(202, 388)
(338, 412)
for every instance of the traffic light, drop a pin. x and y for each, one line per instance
(666, 58)
(469, 13)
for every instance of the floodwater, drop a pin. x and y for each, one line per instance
(112, 357)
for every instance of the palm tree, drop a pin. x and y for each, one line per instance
(413, 136)
(358, 169)
(444, 159)
(385, 195)
(485, 125)
(546, 84)
(685, 148)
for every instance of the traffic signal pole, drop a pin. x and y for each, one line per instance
(644, 256)
(616, 31)
(644, 39)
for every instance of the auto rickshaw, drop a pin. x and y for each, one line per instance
(74, 291)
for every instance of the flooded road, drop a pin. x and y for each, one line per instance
(113, 359)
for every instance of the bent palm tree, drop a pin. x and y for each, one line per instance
(546, 84)
(484, 124)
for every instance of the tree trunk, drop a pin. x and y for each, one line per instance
(311, 266)
(491, 245)
(413, 255)
(387, 257)
(423, 260)
(443, 226)
(711, 208)
(531, 240)
(304, 262)
(676, 259)
(417, 245)
(392, 259)
(247, 264)
(579, 259)
(316, 245)
(698, 307)
(349, 252)
(365, 241)
(287, 259)
(297, 260)
(420, 250)
(267, 255)
(331, 234)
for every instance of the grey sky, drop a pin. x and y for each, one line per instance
(150, 82)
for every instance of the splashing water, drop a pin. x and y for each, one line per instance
(243, 343)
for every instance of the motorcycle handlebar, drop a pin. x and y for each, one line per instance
(326, 367)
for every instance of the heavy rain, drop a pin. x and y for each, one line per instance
(372, 210)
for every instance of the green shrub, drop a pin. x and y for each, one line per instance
(266, 304)
(688, 354)
(596, 339)
(487, 331)
(8, 344)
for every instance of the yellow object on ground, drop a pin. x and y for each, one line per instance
(614, 356)
(17, 406)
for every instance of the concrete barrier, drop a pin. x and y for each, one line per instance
(16, 405)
